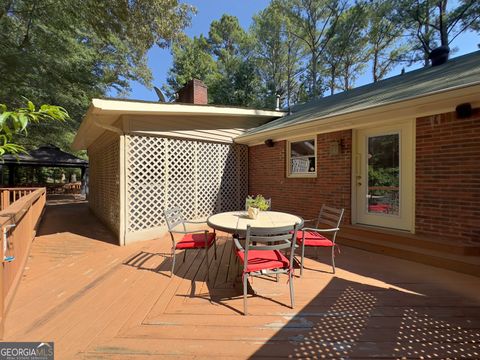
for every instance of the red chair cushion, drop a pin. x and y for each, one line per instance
(383, 208)
(313, 238)
(194, 241)
(264, 260)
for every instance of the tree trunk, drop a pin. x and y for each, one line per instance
(375, 65)
(313, 75)
(442, 8)
(426, 29)
(332, 80)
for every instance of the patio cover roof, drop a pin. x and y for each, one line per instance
(47, 155)
(457, 73)
(173, 119)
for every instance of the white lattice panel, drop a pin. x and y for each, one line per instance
(199, 177)
(146, 180)
(182, 176)
(208, 185)
(104, 180)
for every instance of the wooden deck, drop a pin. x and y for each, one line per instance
(96, 300)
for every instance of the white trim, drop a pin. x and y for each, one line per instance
(123, 189)
(430, 104)
(413, 133)
(139, 107)
(353, 172)
(103, 114)
(405, 220)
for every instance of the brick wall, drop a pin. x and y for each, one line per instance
(448, 176)
(193, 92)
(303, 196)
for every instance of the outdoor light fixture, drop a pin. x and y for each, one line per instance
(336, 147)
(269, 142)
(464, 110)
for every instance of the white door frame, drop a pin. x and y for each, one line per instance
(406, 219)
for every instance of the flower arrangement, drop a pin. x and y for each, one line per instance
(258, 202)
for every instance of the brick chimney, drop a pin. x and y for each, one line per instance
(193, 92)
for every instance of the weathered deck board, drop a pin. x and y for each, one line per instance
(100, 301)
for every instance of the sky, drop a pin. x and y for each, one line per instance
(160, 60)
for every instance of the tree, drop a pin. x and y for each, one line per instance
(237, 79)
(346, 55)
(471, 20)
(433, 23)
(66, 52)
(385, 38)
(313, 24)
(191, 60)
(276, 55)
(15, 122)
(223, 61)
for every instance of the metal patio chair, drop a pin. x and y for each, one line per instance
(328, 222)
(191, 239)
(265, 256)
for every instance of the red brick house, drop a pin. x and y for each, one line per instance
(402, 156)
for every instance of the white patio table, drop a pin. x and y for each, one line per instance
(235, 222)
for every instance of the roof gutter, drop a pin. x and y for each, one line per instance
(429, 104)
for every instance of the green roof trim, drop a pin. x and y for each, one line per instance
(458, 72)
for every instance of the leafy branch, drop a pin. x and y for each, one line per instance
(15, 121)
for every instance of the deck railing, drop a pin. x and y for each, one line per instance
(10, 195)
(18, 223)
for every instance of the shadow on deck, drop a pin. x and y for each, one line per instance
(102, 301)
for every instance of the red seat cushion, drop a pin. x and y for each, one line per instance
(383, 208)
(264, 260)
(313, 238)
(194, 241)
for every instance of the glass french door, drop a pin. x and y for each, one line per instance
(384, 181)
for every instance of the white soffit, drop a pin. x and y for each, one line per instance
(104, 114)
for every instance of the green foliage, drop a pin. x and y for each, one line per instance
(383, 176)
(223, 61)
(346, 54)
(471, 18)
(67, 52)
(277, 56)
(385, 38)
(301, 49)
(430, 24)
(258, 202)
(192, 60)
(236, 81)
(15, 122)
(227, 38)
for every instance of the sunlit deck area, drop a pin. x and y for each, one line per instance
(97, 300)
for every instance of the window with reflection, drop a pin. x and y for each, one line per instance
(302, 158)
(384, 174)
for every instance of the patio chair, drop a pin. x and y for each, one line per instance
(265, 257)
(191, 239)
(328, 222)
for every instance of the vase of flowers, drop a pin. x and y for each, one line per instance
(256, 204)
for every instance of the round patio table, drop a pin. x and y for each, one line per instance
(235, 222)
